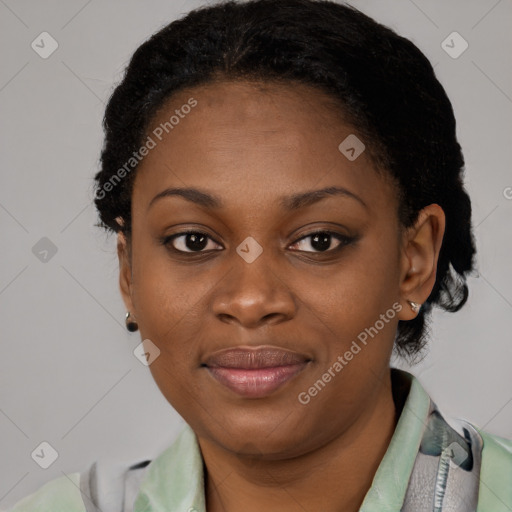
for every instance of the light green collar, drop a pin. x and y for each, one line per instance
(175, 480)
(390, 482)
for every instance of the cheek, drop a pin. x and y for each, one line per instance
(363, 284)
(355, 308)
(168, 297)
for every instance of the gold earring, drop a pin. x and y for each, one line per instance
(131, 325)
(414, 306)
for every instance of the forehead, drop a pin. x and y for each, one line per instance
(257, 141)
(275, 117)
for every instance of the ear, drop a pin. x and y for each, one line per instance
(421, 245)
(125, 272)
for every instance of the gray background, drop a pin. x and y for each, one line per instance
(68, 375)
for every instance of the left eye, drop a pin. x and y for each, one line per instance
(321, 241)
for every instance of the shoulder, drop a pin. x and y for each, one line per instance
(61, 494)
(105, 485)
(496, 473)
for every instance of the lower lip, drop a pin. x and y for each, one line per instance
(255, 383)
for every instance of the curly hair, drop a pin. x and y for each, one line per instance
(385, 85)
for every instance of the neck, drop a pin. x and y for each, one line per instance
(334, 477)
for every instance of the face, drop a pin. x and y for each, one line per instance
(265, 265)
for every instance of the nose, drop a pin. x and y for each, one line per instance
(254, 294)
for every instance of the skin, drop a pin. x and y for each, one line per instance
(251, 144)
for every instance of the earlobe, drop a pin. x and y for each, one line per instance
(420, 253)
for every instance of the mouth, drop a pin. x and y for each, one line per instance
(255, 372)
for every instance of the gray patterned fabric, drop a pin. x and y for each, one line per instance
(445, 477)
(108, 487)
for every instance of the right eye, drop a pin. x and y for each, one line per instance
(188, 242)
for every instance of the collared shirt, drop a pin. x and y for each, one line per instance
(174, 481)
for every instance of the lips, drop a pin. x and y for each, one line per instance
(255, 372)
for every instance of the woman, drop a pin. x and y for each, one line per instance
(286, 187)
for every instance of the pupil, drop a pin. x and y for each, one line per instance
(321, 242)
(198, 242)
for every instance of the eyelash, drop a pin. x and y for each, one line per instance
(343, 239)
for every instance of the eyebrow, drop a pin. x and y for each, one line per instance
(289, 203)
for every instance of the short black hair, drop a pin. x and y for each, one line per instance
(386, 86)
